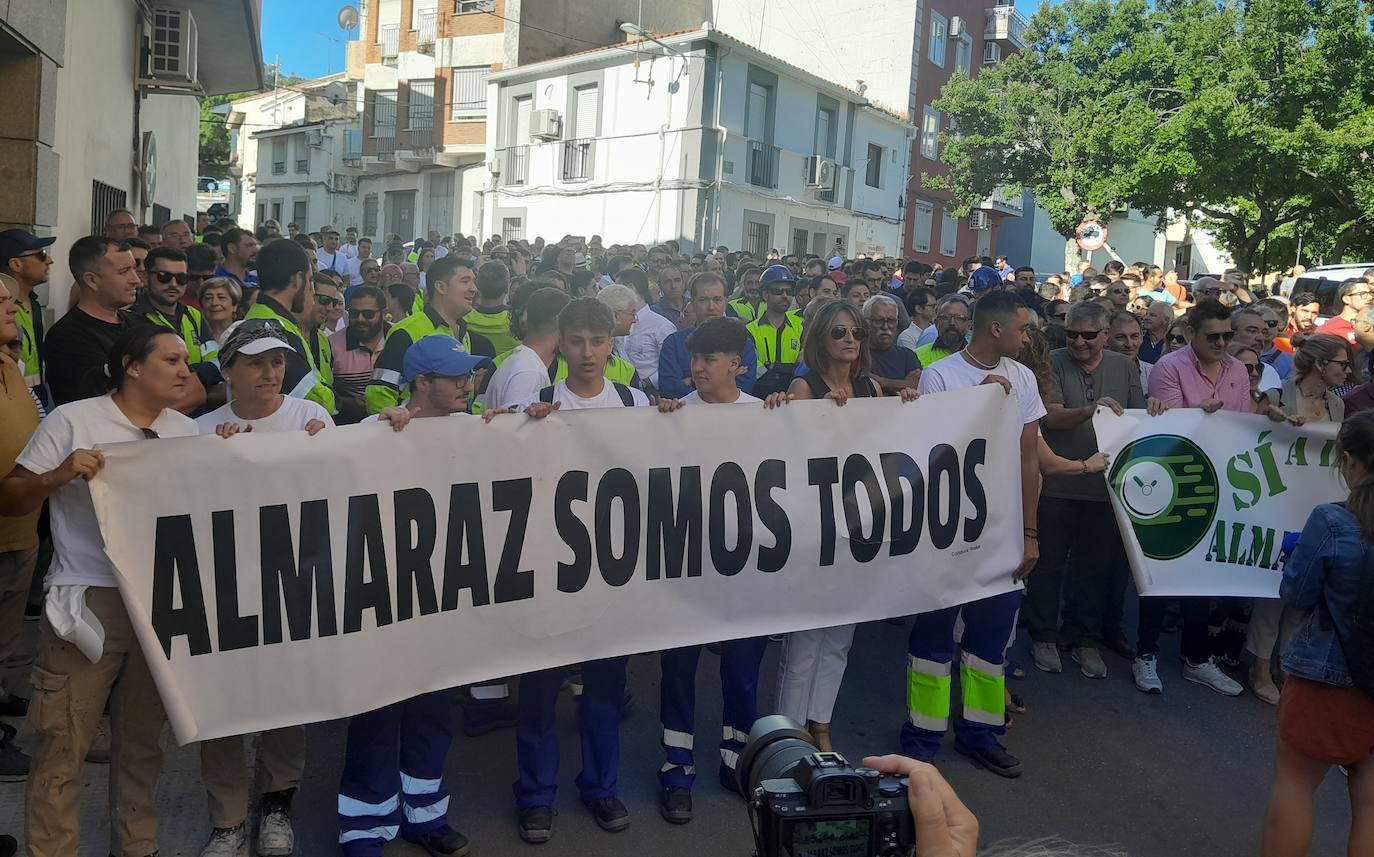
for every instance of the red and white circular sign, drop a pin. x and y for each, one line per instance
(1091, 235)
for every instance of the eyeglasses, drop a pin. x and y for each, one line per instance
(1364, 294)
(1344, 364)
(367, 314)
(1082, 334)
(1216, 338)
(327, 300)
(951, 319)
(839, 332)
(166, 277)
(774, 292)
(39, 254)
(1253, 368)
(882, 322)
(1176, 338)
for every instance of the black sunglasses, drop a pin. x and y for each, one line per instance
(778, 292)
(1215, 338)
(1254, 369)
(1177, 338)
(838, 332)
(39, 254)
(165, 277)
(326, 300)
(1082, 334)
(354, 312)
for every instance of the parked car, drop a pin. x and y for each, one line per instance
(1323, 281)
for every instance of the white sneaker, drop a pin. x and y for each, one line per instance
(1210, 675)
(275, 837)
(1145, 669)
(1046, 657)
(227, 842)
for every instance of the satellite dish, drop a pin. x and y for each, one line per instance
(348, 17)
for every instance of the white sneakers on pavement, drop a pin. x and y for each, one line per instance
(1145, 671)
(1046, 657)
(227, 842)
(1090, 662)
(1208, 674)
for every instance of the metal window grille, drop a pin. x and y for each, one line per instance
(578, 156)
(465, 6)
(427, 28)
(420, 109)
(517, 165)
(370, 214)
(470, 92)
(384, 115)
(104, 200)
(391, 41)
(763, 164)
(756, 238)
(512, 228)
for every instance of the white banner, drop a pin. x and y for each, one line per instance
(456, 552)
(1204, 500)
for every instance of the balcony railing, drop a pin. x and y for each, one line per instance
(763, 164)
(517, 167)
(302, 165)
(278, 168)
(386, 146)
(577, 159)
(391, 41)
(1004, 23)
(353, 148)
(428, 27)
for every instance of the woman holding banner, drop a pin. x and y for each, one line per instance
(813, 662)
(88, 656)
(1326, 714)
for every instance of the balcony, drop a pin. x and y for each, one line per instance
(763, 164)
(1005, 24)
(578, 157)
(353, 150)
(517, 166)
(1003, 201)
(278, 168)
(391, 43)
(427, 30)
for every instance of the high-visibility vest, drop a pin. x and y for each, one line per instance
(494, 326)
(776, 345)
(385, 390)
(317, 391)
(189, 326)
(745, 310)
(28, 346)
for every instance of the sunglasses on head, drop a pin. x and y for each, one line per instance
(1216, 338)
(838, 333)
(1082, 334)
(166, 277)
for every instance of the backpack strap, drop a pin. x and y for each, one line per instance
(626, 397)
(546, 395)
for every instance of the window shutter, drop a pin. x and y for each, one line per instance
(585, 109)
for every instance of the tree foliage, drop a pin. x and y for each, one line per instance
(1258, 116)
(214, 136)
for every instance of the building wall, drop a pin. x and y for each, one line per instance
(589, 23)
(270, 109)
(327, 203)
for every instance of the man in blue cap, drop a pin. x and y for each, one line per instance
(983, 280)
(776, 333)
(24, 256)
(393, 776)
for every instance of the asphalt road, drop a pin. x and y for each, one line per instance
(1186, 773)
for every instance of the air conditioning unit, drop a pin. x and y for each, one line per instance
(979, 220)
(956, 27)
(820, 172)
(314, 138)
(172, 44)
(992, 53)
(546, 125)
(497, 164)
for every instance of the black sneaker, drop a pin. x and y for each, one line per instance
(610, 814)
(536, 824)
(14, 763)
(442, 841)
(675, 805)
(481, 716)
(995, 759)
(14, 705)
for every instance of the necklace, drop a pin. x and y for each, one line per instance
(978, 363)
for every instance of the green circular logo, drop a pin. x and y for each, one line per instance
(1169, 489)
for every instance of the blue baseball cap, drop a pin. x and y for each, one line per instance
(15, 242)
(438, 355)
(984, 278)
(776, 274)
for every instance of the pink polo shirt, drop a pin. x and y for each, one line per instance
(1178, 382)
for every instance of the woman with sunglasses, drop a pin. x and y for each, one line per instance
(835, 350)
(1320, 363)
(1254, 369)
(89, 659)
(1179, 335)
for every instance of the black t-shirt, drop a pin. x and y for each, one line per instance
(76, 350)
(895, 363)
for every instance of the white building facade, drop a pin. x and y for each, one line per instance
(696, 137)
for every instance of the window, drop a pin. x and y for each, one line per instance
(465, 7)
(299, 209)
(760, 95)
(420, 109)
(873, 170)
(930, 132)
(370, 214)
(939, 38)
(302, 153)
(162, 215)
(512, 228)
(105, 199)
(923, 222)
(391, 41)
(949, 233)
(586, 102)
(756, 238)
(963, 55)
(276, 210)
(279, 156)
(384, 114)
(262, 212)
(439, 210)
(353, 143)
(470, 92)
(520, 128)
(825, 132)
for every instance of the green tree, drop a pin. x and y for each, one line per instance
(214, 135)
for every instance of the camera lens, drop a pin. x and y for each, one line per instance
(776, 744)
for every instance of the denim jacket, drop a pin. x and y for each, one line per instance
(1322, 577)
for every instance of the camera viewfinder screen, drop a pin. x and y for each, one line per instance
(838, 837)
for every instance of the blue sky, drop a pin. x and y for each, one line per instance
(305, 34)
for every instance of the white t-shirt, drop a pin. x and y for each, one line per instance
(292, 415)
(339, 261)
(80, 551)
(517, 381)
(376, 418)
(956, 373)
(694, 398)
(609, 397)
(909, 337)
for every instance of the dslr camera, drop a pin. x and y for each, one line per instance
(806, 803)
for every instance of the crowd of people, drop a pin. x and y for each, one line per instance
(217, 330)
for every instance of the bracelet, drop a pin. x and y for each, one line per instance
(1031, 533)
(1084, 462)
